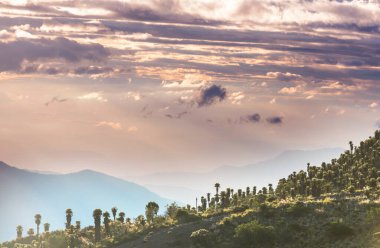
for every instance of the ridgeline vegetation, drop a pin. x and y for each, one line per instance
(335, 204)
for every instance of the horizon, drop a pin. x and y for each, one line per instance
(190, 171)
(166, 172)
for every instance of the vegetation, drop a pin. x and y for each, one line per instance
(253, 234)
(334, 205)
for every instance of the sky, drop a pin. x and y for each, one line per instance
(136, 87)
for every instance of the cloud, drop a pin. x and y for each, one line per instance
(4, 34)
(55, 99)
(253, 118)
(113, 125)
(210, 95)
(177, 116)
(287, 76)
(134, 95)
(52, 49)
(288, 90)
(157, 11)
(132, 129)
(93, 96)
(319, 46)
(275, 120)
(338, 86)
(341, 112)
(92, 70)
(190, 80)
(373, 105)
(236, 97)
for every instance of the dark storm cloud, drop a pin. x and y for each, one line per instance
(210, 95)
(275, 120)
(254, 117)
(15, 52)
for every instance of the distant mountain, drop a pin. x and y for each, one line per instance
(182, 195)
(24, 193)
(259, 174)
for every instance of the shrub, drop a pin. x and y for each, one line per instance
(57, 241)
(266, 211)
(337, 230)
(253, 234)
(183, 216)
(159, 221)
(239, 209)
(261, 198)
(297, 210)
(201, 238)
(171, 210)
(296, 227)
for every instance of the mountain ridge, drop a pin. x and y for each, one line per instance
(26, 193)
(260, 173)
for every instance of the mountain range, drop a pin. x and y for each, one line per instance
(186, 186)
(24, 194)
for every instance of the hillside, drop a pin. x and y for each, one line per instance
(24, 193)
(333, 205)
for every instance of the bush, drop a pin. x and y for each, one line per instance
(297, 210)
(337, 230)
(159, 221)
(171, 210)
(253, 234)
(57, 240)
(201, 238)
(183, 216)
(266, 211)
(239, 209)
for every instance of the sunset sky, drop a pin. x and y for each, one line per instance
(133, 87)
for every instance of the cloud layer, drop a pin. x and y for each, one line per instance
(161, 83)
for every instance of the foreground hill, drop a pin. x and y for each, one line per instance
(24, 193)
(335, 205)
